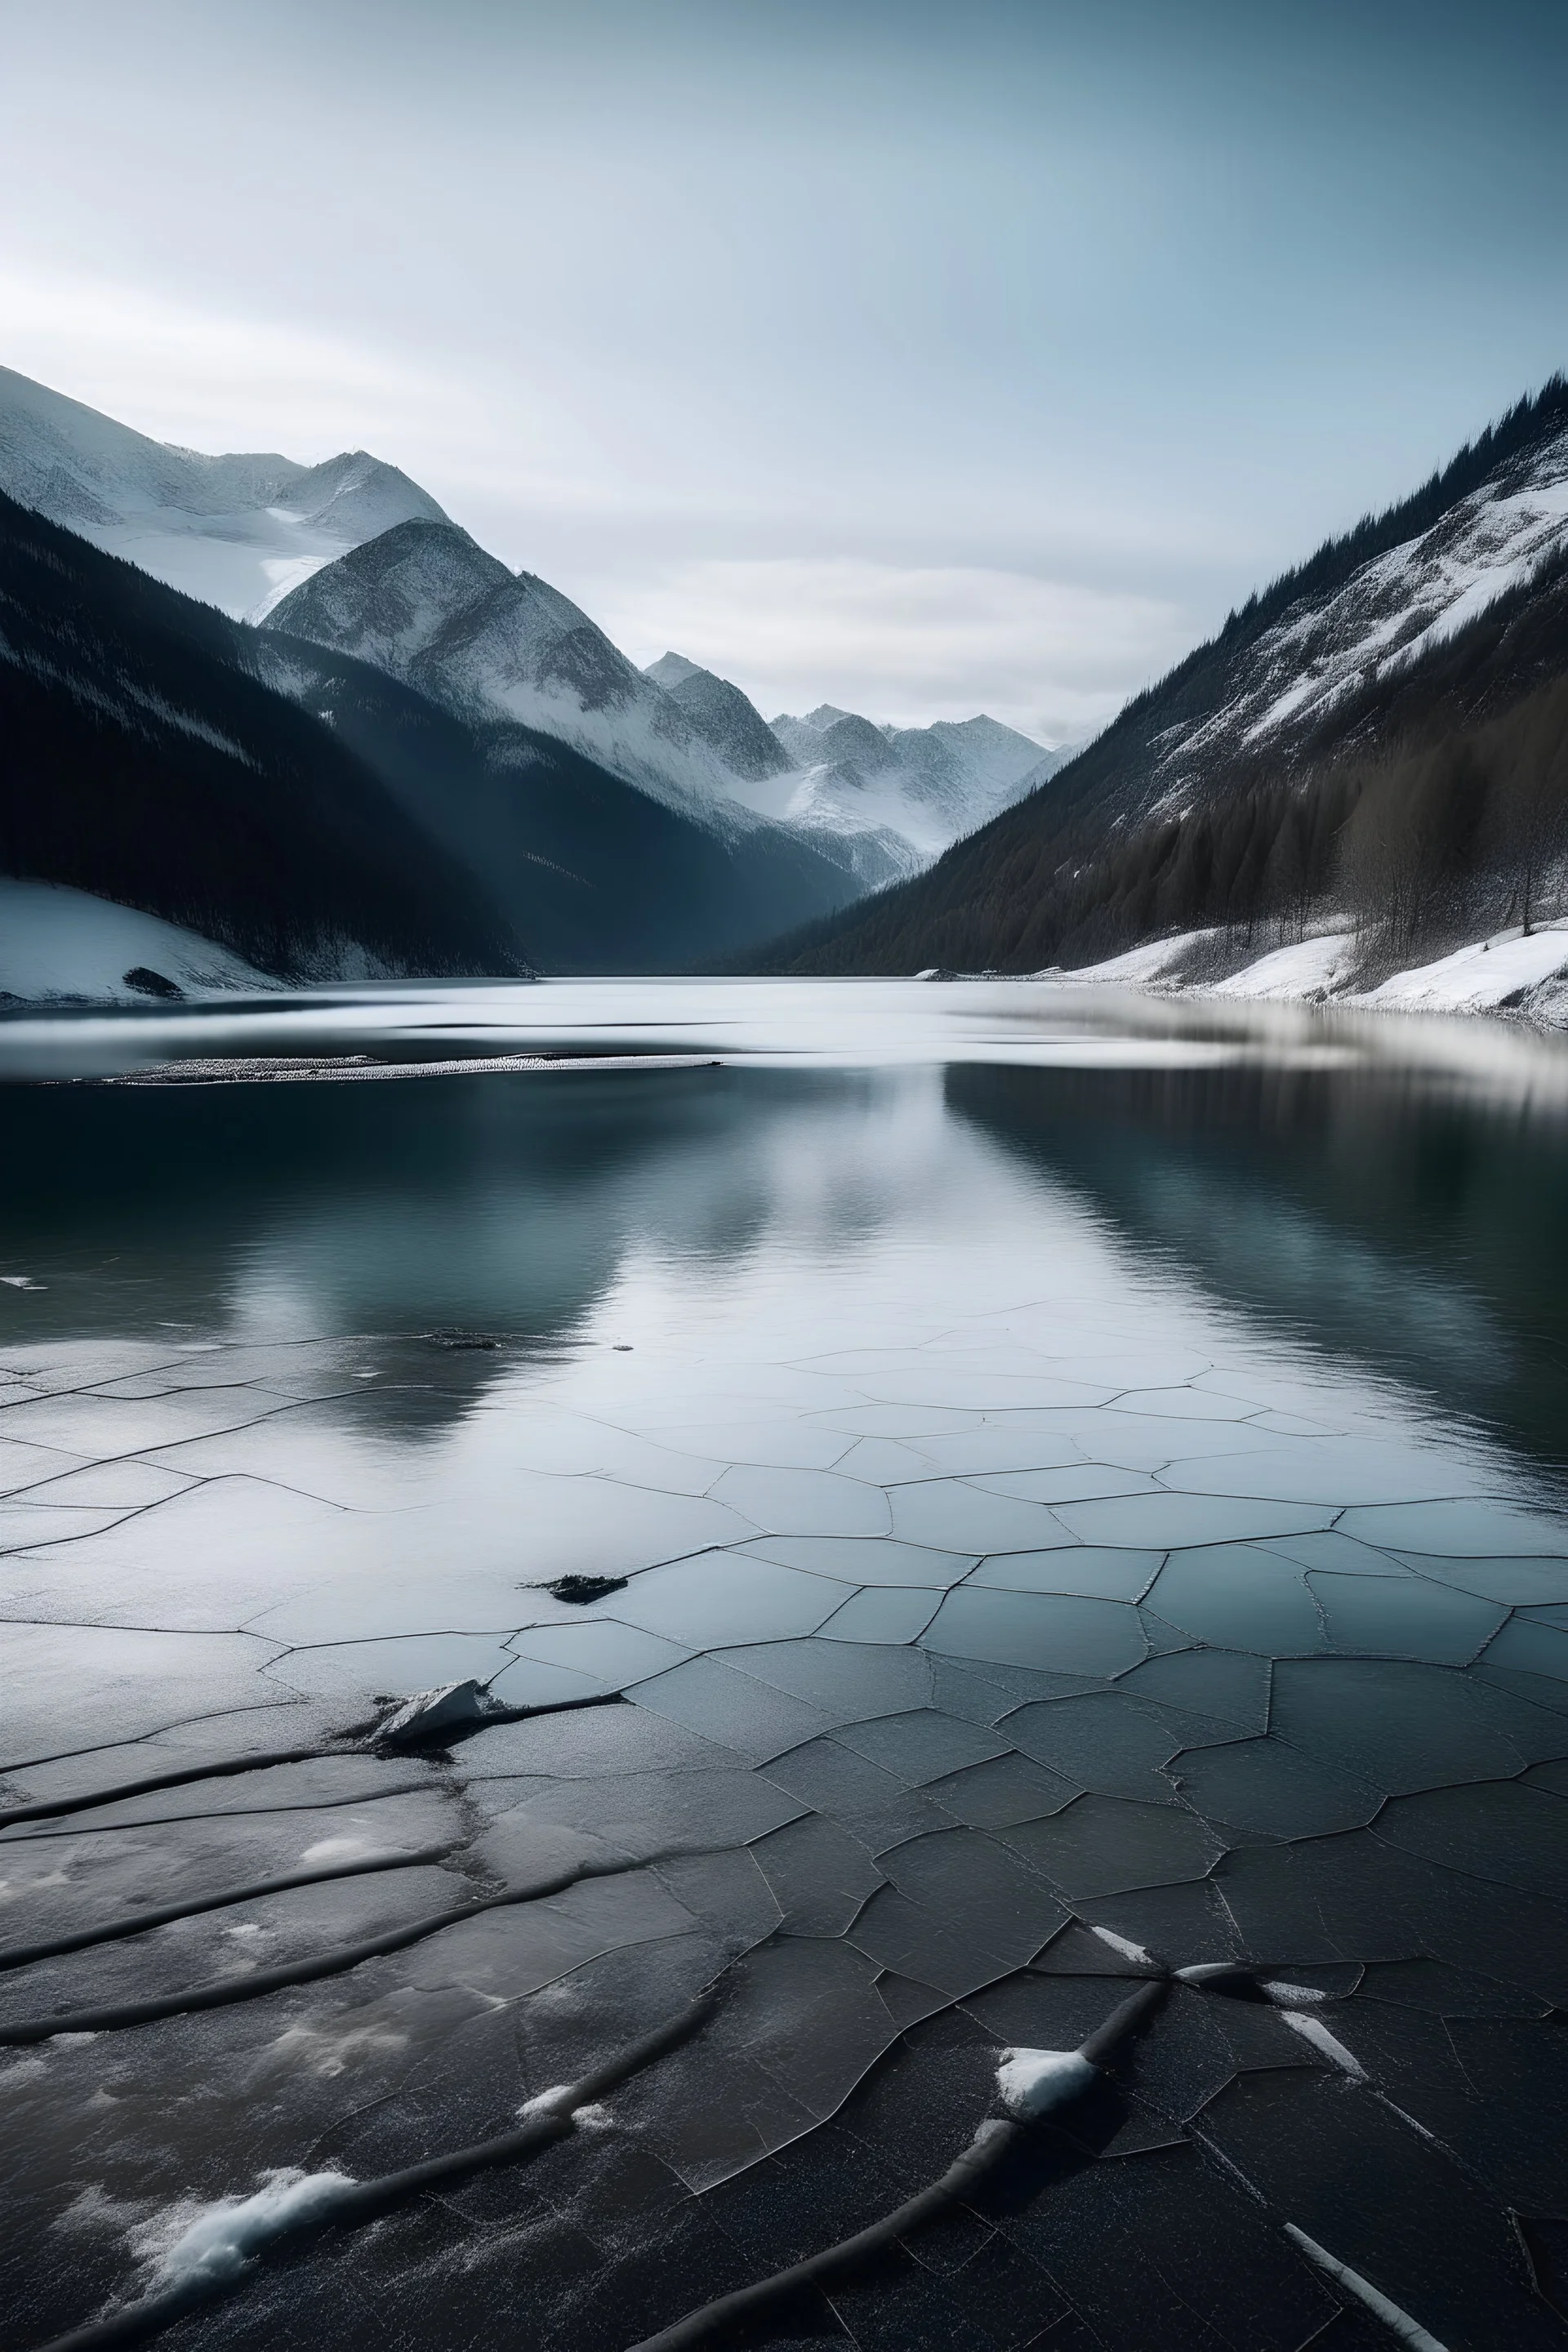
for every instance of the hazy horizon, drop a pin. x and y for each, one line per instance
(916, 361)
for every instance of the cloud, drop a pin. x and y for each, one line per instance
(216, 380)
(908, 644)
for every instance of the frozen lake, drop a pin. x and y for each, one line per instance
(1057, 1476)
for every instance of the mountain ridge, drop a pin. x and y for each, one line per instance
(250, 532)
(148, 764)
(236, 530)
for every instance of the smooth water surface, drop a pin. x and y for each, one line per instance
(1061, 1461)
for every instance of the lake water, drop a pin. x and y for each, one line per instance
(1075, 1473)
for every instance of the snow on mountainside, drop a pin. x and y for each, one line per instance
(928, 784)
(722, 713)
(1381, 726)
(424, 603)
(427, 605)
(1392, 612)
(834, 773)
(238, 532)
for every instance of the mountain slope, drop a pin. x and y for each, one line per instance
(146, 762)
(1228, 789)
(352, 557)
(902, 793)
(424, 603)
(594, 875)
(723, 717)
(238, 532)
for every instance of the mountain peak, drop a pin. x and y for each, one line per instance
(674, 669)
(237, 531)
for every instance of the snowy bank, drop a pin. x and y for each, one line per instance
(1481, 978)
(56, 943)
(1508, 971)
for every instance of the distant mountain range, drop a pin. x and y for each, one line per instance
(615, 816)
(386, 750)
(1384, 729)
(424, 603)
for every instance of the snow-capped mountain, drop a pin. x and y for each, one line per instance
(236, 532)
(836, 773)
(357, 559)
(424, 603)
(928, 784)
(148, 765)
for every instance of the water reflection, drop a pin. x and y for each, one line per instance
(1367, 1209)
(493, 1205)
(1354, 1210)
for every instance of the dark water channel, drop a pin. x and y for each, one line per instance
(1079, 1489)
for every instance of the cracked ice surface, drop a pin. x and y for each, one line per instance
(1034, 1543)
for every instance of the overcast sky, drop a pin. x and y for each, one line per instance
(919, 358)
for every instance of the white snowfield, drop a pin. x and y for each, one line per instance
(923, 787)
(1479, 978)
(57, 944)
(1137, 967)
(1307, 968)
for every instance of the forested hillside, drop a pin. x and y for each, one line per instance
(141, 758)
(1351, 734)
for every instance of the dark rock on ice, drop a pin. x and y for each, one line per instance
(581, 1590)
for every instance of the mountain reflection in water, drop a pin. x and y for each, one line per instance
(1363, 1210)
(1426, 1238)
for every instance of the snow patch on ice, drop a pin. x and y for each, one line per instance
(1123, 1944)
(328, 2050)
(554, 2102)
(1313, 2029)
(197, 2244)
(339, 1849)
(1399, 2323)
(1034, 2082)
